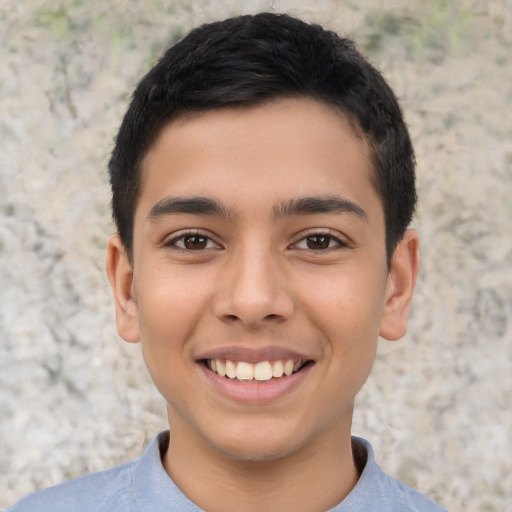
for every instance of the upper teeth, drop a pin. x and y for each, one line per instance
(261, 371)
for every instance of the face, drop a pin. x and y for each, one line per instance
(259, 251)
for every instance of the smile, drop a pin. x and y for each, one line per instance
(258, 372)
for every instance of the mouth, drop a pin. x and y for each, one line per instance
(262, 371)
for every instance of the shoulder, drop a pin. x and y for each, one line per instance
(376, 490)
(138, 486)
(411, 500)
(104, 491)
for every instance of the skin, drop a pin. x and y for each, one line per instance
(253, 274)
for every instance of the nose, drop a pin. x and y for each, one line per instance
(254, 291)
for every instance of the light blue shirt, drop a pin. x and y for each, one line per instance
(143, 485)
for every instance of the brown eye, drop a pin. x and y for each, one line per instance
(195, 242)
(318, 242)
(192, 242)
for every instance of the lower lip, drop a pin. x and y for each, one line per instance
(255, 392)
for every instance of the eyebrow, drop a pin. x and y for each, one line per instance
(188, 205)
(306, 205)
(312, 205)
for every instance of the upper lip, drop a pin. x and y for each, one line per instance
(253, 355)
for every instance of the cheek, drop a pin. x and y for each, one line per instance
(345, 309)
(345, 301)
(167, 305)
(170, 305)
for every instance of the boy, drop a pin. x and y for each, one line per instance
(263, 182)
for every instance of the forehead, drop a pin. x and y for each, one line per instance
(248, 155)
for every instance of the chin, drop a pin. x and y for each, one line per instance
(257, 444)
(256, 453)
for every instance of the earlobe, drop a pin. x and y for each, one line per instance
(120, 275)
(400, 287)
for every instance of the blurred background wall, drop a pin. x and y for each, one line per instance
(76, 399)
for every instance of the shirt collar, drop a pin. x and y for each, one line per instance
(154, 490)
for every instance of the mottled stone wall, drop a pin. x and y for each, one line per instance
(75, 399)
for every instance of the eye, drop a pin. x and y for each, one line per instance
(192, 242)
(319, 242)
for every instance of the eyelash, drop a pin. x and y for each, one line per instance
(174, 241)
(338, 243)
(330, 238)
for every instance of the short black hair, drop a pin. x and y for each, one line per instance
(252, 59)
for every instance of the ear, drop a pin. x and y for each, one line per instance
(120, 275)
(400, 286)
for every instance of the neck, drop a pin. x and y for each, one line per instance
(315, 477)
